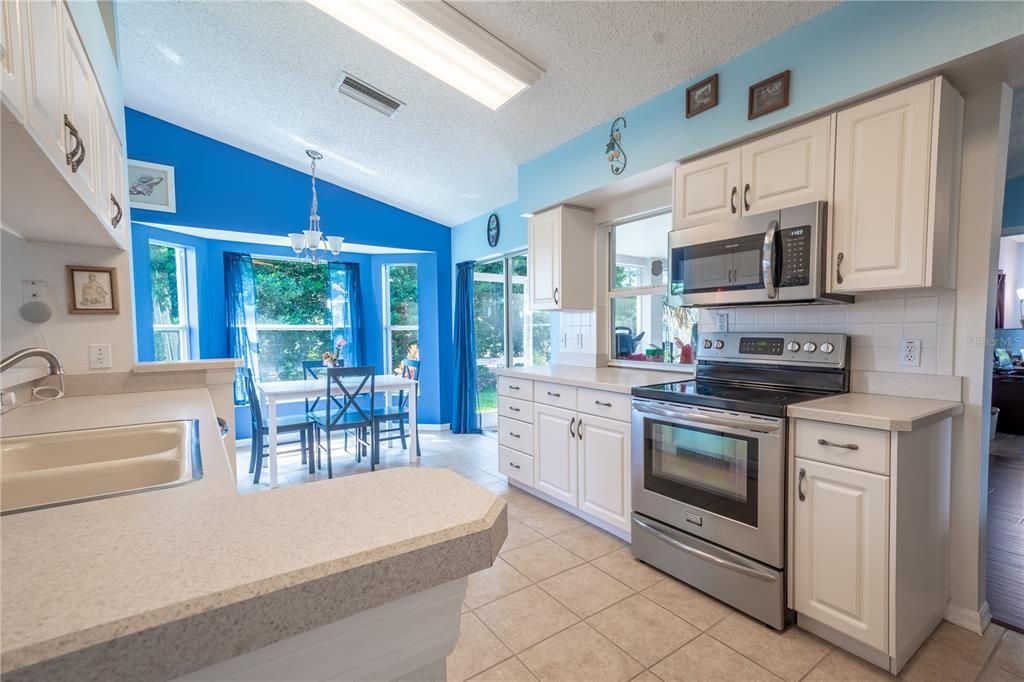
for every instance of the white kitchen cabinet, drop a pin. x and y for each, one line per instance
(603, 460)
(80, 102)
(43, 55)
(706, 190)
(786, 169)
(561, 258)
(555, 448)
(841, 543)
(12, 66)
(894, 211)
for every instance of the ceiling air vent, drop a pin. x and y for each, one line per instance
(362, 91)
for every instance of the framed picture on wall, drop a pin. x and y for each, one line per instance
(151, 186)
(769, 95)
(702, 96)
(92, 290)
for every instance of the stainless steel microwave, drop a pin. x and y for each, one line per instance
(774, 257)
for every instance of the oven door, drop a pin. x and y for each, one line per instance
(715, 474)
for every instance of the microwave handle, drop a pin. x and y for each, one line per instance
(768, 259)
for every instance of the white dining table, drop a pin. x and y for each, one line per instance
(274, 392)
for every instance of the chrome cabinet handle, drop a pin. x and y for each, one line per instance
(555, 295)
(746, 197)
(845, 446)
(768, 259)
(514, 465)
(579, 429)
(732, 199)
(70, 156)
(839, 265)
(514, 435)
(572, 434)
(554, 395)
(800, 485)
(117, 216)
(599, 403)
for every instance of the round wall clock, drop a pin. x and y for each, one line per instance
(493, 230)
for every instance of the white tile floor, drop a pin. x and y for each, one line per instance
(566, 601)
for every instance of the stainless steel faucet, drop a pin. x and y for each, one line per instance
(56, 367)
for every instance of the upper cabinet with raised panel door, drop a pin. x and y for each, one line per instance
(63, 158)
(894, 210)
(786, 169)
(561, 254)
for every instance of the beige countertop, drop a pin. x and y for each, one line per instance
(158, 584)
(618, 379)
(885, 412)
(187, 365)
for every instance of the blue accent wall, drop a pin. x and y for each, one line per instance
(1013, 206)
(222, 187)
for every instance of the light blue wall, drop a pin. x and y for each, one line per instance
(840, 54)
(222, 187)
(469, 239)
(1013, 206)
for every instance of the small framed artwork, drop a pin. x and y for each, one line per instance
(151, 186)
(92, 290)
(769, 95)
(702, 96)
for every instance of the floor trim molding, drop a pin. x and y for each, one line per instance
(975, 621)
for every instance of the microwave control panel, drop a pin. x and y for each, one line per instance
(795, 254)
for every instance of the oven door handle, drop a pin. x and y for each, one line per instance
(768, 259)
(701, 420)
(705, 556)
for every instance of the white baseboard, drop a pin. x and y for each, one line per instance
(435, 427)
(969, 619)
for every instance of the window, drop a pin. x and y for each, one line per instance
(172, 333)
(293, 315)
(401, 314)
(508, 333)
(646, 325)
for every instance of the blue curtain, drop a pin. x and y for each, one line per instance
(465, 418)
(346, 300)
(240, 296)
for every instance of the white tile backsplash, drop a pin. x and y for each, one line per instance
(876, 323)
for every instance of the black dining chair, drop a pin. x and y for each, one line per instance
(261, 430)
(398, 412)
(344, 411)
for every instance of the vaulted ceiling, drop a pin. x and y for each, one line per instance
(261, 76)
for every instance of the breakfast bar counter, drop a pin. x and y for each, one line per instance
(162, 583)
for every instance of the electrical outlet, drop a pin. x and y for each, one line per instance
(910, 352)
(99, 356)
(721, 322)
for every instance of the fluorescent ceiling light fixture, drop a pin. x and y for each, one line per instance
(525, 215)
(435, 37)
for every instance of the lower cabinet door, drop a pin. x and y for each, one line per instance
(604, 469)
(841, 576)
(555, 447)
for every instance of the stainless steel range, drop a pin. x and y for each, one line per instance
(709, 463)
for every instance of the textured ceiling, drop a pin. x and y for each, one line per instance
(1015, 162)
(261, 76)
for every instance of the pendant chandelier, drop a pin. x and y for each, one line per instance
(311, 242)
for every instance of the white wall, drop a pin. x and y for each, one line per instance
(66, 334)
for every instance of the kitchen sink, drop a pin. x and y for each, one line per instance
(67, 467)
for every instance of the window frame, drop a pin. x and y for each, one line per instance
(634, 292)
(184, 262)
(390, 329)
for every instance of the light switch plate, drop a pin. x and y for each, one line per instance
(99, 356)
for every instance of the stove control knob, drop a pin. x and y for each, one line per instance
(793, 346)
(707, 343)
(810, 347)
(719, 344)
(827, 348)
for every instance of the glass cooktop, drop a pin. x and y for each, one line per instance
(733, 397)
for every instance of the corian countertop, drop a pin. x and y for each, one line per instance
(885, 412)
(618, 379)
(158, 584)
(186, 365)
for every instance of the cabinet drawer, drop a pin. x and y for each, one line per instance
(516, 409)
(822, 442)
(555, 394)
(515, 434)
(604, 404)
(514, 387)
(515, 465)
